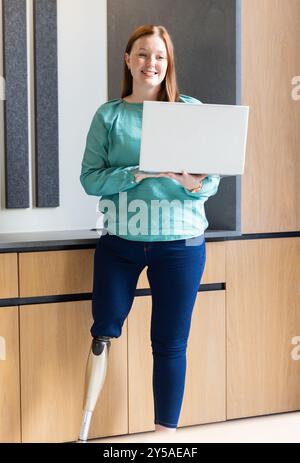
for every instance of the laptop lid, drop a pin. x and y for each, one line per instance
(198, 138)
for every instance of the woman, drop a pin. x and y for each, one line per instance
(173, 248)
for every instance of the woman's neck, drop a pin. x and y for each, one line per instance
(138, 98)
(131, 100)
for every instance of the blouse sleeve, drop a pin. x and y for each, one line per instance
(209, 187)
(96, 177)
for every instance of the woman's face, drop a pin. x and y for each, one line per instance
(148, 61)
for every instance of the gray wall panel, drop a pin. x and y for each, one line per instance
(46, 103)
(15, 105)
(206, 37)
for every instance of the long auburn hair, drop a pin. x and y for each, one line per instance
(168, 88)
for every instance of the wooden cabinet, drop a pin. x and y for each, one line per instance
(238, 356)
(48, 273)
(205, 392)
(9, 275)
(10, 429)
(263, 300)
(55, 343)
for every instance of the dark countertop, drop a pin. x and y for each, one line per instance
(84, 239)
(71, 239)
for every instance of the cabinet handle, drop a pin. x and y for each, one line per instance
(2, 348)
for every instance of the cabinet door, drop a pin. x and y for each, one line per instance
(205, 391)
(10, 426)
(263, 317)
(204, 396)
(55, 342)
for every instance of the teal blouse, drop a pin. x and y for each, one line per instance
(155, 209)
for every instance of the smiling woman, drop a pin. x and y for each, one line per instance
(166, 234)
(147, 61)
(149, 66)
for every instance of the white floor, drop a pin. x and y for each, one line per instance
(283, 427)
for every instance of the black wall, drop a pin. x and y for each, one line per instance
(206, 38)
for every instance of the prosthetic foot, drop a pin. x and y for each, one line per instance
(95, 376)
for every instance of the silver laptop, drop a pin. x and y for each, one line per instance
(198, 138)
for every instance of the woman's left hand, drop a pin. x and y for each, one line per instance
(189, 181)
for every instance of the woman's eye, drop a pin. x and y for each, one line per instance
(160, 57)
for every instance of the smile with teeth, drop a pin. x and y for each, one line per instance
(149, 73)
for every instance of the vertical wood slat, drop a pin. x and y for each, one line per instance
(46, 103)
(270, 59)
(15, 105)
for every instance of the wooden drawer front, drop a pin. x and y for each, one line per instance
(8, 275)
(69, 272)
(214, 271)
(56, 272)
(10, 426)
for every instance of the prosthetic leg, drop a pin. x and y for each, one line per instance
(95, 376)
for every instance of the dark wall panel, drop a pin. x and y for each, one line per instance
(46, 103)
(15, 105)
(206, 37)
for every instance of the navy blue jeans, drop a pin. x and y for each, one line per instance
(174, 270)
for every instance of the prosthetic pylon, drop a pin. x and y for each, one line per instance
(95, 376)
